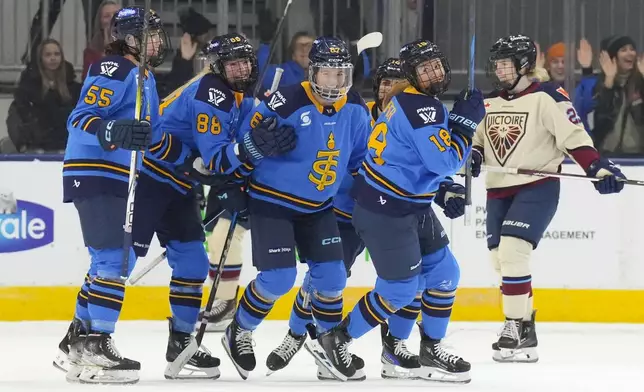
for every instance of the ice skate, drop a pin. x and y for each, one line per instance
(183, 347)
(325, 375)
(518, 342)
(62, 361)
(238, 343)
(280, 357)
(331, 351)
(436, 364)
(102, 363)
(221, 315)
(397, 361)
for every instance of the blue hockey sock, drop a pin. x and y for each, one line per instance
(369, 312)
(104, 302)
(437, 309)
(185, 302)
(82, 314)
(301, 314)
(327, 312)
(402, 322)
(253, 307)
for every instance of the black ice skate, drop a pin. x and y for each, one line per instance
(280, 357)
(238, 343)
(518, 342)
(102, 363)
(326, 375)
(70, 351)
(436, 364)
(186, 360)
(221, 315)
(397, 361)
(331, 350)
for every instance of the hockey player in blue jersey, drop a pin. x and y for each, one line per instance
(413, 146)
(102, 134)
(291, 197)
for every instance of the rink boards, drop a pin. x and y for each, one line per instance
(588, 267)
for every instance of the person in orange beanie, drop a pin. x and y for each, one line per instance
(555, 62)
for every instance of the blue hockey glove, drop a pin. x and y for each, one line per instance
(477, 162)
(267, 139)
(127, 134)
(611, 177)
(467, 113)
(233, 197)
(451, 198)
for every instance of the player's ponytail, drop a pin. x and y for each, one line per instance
(395, 90)
(538, 75)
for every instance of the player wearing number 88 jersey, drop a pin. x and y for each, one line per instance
(414, 145)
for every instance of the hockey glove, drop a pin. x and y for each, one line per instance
(267, 139)
(611, 177)
(467, 113)
(233, 197)
(193, 168)
(126, 134)
(477, 162)
(451, 198)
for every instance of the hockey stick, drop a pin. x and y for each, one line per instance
(187, 353)
(271, 49)
(470, 86)
(276, 82)
(540, 173)
(134, 156)
(136, 276)
(371, 40)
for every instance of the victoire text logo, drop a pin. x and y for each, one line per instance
(29, 226)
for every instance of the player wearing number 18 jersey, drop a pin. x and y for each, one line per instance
(412, 148)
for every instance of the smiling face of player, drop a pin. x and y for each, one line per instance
(626, 58)
(154, 43)
(237, 70)
(331, 83)
(430, 72)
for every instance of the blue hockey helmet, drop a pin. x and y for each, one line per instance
(425, 67)
(510, 58)
(127, 30)
(390, 69)
(232, 57)
(330, 68)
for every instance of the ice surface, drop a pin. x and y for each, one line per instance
(574, 357)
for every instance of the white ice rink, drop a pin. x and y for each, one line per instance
(574, 357)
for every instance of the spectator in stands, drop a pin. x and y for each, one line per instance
(46, 95)
(197, 32)
(101, 37)
(619, 114)
(584, 100)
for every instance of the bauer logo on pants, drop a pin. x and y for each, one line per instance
(24, 225)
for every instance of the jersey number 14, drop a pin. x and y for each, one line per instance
(378, 141)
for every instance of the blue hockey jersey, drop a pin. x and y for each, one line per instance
(108, 93)
(203, 115)
(411, 151)
(343, 202)
(331, 142)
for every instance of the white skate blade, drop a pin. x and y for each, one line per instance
(98, 375)
(61, 362)
(74, 372)
(439, 375)
(173, 369)
(190, 372)
(391, 371)
(522, 355)
(325, 375)
(243, 373)
(316, 350)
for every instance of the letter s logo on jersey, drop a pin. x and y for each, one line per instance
(27, 225)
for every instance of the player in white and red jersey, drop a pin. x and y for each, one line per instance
(527, 125)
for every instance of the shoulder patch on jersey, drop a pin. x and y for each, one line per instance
(287, 100)
(112, 67)
(558, 93)
(421, 110)
(213, 91)
(355, 98)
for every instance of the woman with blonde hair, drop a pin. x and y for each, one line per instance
(95, 49)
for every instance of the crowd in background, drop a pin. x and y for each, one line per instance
(608, 99)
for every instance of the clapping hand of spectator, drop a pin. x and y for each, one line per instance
(585, 54)
(609, 67)
(541, 57)
(188, 47)
(640, 63)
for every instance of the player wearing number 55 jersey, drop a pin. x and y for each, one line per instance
(291, 196)
(102, 133)
(528, 126)
(414, 145)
